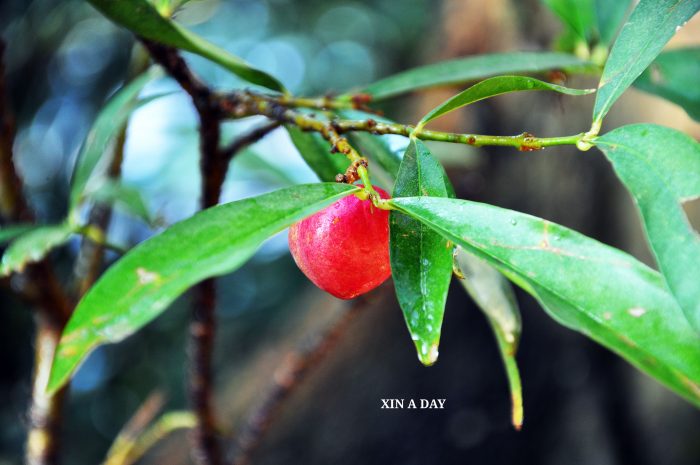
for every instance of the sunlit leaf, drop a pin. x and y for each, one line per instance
(495, 86)
(661, 169)
(316, 152)
(108, 123)
(649, 27)
(464, 70)
(674, 75)
(421, 259)
(32, 246)
(585, 285)
(142, 18)
(142, 284)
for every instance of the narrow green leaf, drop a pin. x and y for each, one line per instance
(585, 285)
(494, 295)
(8, 233)
(421, 259)
(674, 76)
(649, 27)
(142, 284)
(316, 152)
(32, 246)
(108, 123)
(661, 169)
(472, 68)
(609, 16)
(495, 86)
(142, 18)
(114, 192)
(578, 15)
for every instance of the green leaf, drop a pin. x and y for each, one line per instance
(661, 169)
(674, 76)
(108, 123)
(649, 27)
(8, 233)
(421, 259)
(609, 16)
(142, 284)
(585, 285)
(578, 15)
(142, 18)
(33, 245)
(129, 198)
(472, 68)
(494, 295)
(316, 152)
(495, 86)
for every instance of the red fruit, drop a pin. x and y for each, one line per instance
(344, 248)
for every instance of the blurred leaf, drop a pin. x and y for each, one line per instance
(316, 151)
(140, 17)
(674, 76)
(583, 284)
(142, 284)
(32, 246)
(494, 295)
(609, 16)
(129, 198)
(108, 123)
(421, 259)
(472, 68)
(649, 27)
(495, 86)
(661, 168)
(8, 233)
(578, 15)
(262, 169)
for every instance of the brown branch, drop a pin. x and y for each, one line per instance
(43, 290)
(248, 139)
(12, 203)
(213, 164)
(295, 368)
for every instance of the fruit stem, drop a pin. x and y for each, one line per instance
(370, 192)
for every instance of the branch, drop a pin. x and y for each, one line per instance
(246, 103)
(213, 164)
(296, 367)
(43, 290)
(248, 139)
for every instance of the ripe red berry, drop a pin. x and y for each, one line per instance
(344, 248)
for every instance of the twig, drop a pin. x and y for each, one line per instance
(213, 164)
(44, 291)
(245, 103)
(12, 203)
(45, 412)
(248, 139)
(295, 368)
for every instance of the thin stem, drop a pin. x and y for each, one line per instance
(45, 411)
(295, 368)
(239, 104)
(248, 139)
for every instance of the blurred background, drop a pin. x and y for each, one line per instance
(583, 404)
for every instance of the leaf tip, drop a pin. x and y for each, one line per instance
(427, 354)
